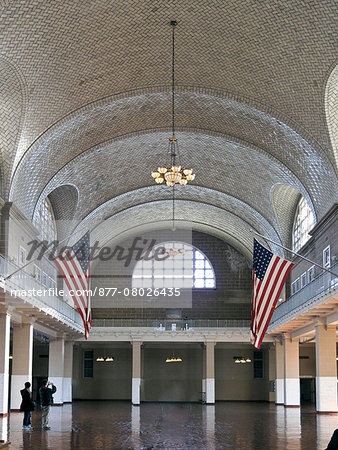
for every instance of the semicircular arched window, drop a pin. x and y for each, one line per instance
(44, 221)
(304, 222)
(181, 266)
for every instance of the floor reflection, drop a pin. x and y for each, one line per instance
(119, 425)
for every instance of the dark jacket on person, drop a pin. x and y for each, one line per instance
(333, 444)
(46, 395)
(27, 404)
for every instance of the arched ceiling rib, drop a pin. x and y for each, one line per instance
(226, 206)
(249, 106)
(158, 214)
(76, 52)
(253, 128)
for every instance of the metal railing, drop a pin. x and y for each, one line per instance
(169, 325)
(319, 286)
(24, 286)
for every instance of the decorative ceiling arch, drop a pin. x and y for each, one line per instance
(331, 109)
(100, 176)
(202, 197)
(270, 49)
(205, 218)
(214, 116)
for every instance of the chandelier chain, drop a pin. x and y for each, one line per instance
(176, 173)
(173, 23)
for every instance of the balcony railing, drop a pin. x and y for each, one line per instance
(169, 325)
(50, 304)
(320, 286)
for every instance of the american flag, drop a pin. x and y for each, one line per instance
(269, 275)
(74, 265)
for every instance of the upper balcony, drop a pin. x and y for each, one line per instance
(23, 294)
(317, 299)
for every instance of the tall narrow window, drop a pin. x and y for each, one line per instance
(184, 267)
(258, 365)
(304, 222)
(326, 257)
(88, 363)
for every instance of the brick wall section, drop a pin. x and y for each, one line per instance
(230, 299)
(324, 234)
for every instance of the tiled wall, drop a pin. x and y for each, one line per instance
(229, 300)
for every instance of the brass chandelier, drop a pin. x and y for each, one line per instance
(175, 173)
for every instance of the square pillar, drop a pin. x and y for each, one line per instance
(5, 328)
(279, 362)
(291, 372)
(326, 368)
(56, 367)
(22, 365)
(136, 373)
(210, 373)
(272, 374)
(68, 372)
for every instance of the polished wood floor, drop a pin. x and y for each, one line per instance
(119, 425)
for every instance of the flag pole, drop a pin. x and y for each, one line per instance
(291, 251)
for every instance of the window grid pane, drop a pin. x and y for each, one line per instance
(189, 269)
(304, 222)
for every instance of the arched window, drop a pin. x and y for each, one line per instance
(304, 222)
(45, 222)
(184, 267)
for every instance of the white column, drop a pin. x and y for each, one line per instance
(68, 372)
(136, 374)
(5, 327)
(279, 384)
(203, 373)
(210, 372)
(326, 368)
(291, 372)
(56, 367)
(22, 365)
(3, 430)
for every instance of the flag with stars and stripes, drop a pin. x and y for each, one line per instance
(269, 275)
(74, 265)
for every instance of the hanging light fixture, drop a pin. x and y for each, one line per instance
(105, 359)
(175, 174)
(171, 359)
(241, 360)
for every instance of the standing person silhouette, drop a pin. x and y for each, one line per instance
(27, 405)
(46, 400)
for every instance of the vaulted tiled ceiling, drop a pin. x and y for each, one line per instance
(85, 102)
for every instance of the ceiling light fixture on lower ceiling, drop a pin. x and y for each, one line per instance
(175, 173)
(241, 360)
(173, 358)
(105, 359)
